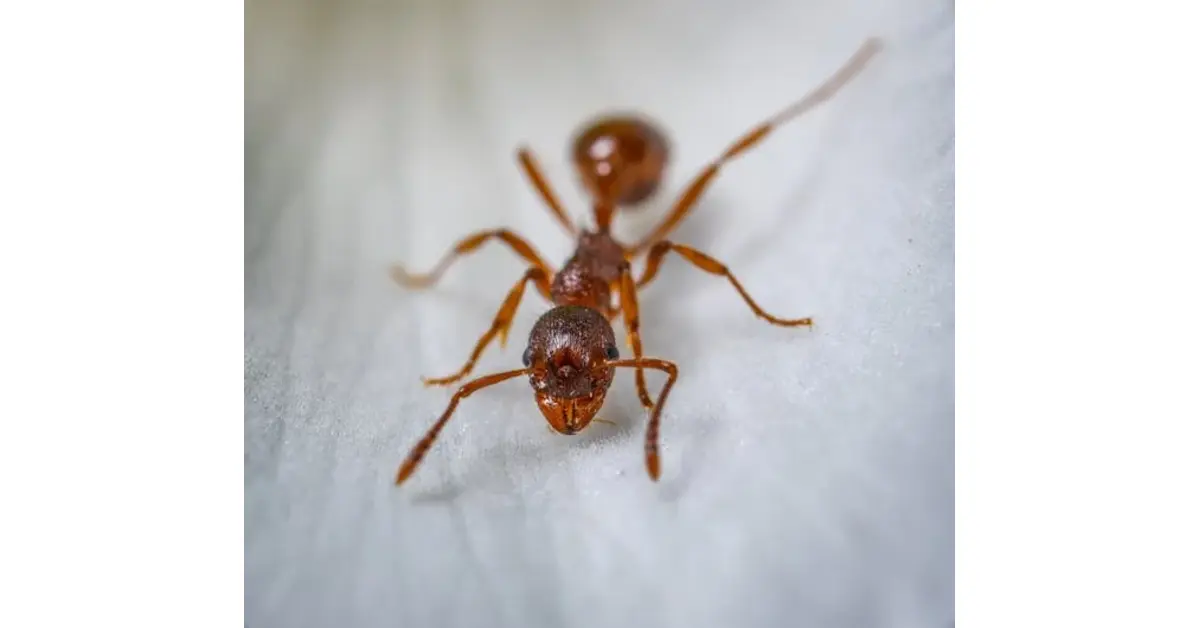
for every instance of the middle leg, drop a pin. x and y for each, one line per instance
(466, 246)
(711, 266)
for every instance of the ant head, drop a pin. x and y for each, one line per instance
(568, 355)
(620, 159)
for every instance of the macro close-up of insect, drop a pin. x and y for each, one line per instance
(648, 304)
(572, 352)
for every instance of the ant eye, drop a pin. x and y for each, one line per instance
(527, 358)
(611, 352)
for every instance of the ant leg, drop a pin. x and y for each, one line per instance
(418, 452)
(532, 170)
(652, 466)
(700, 183)
(500, 325)
(633, 336)
(465, 246)
(708, 265)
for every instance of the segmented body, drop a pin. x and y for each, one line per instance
(590, 276)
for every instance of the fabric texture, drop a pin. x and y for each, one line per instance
(807, 475)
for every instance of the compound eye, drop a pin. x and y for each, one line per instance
(527, 357)
(611, 352)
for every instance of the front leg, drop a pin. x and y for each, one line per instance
(672, 371)
(500, 325)
(629, 307)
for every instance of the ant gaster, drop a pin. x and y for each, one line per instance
(572, 354)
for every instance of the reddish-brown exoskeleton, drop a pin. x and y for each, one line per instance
(572, 353)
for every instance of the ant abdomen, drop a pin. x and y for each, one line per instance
(621, 159)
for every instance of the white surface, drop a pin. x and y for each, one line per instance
(807, 475)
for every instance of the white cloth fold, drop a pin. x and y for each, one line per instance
(807, 475)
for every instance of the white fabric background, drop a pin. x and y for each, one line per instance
(807, 475)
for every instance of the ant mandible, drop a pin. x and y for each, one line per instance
(571, 356)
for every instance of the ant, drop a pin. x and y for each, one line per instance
(572, 355)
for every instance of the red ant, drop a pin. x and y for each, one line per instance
(572, 353)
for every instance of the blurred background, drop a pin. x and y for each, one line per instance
(807, 475)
